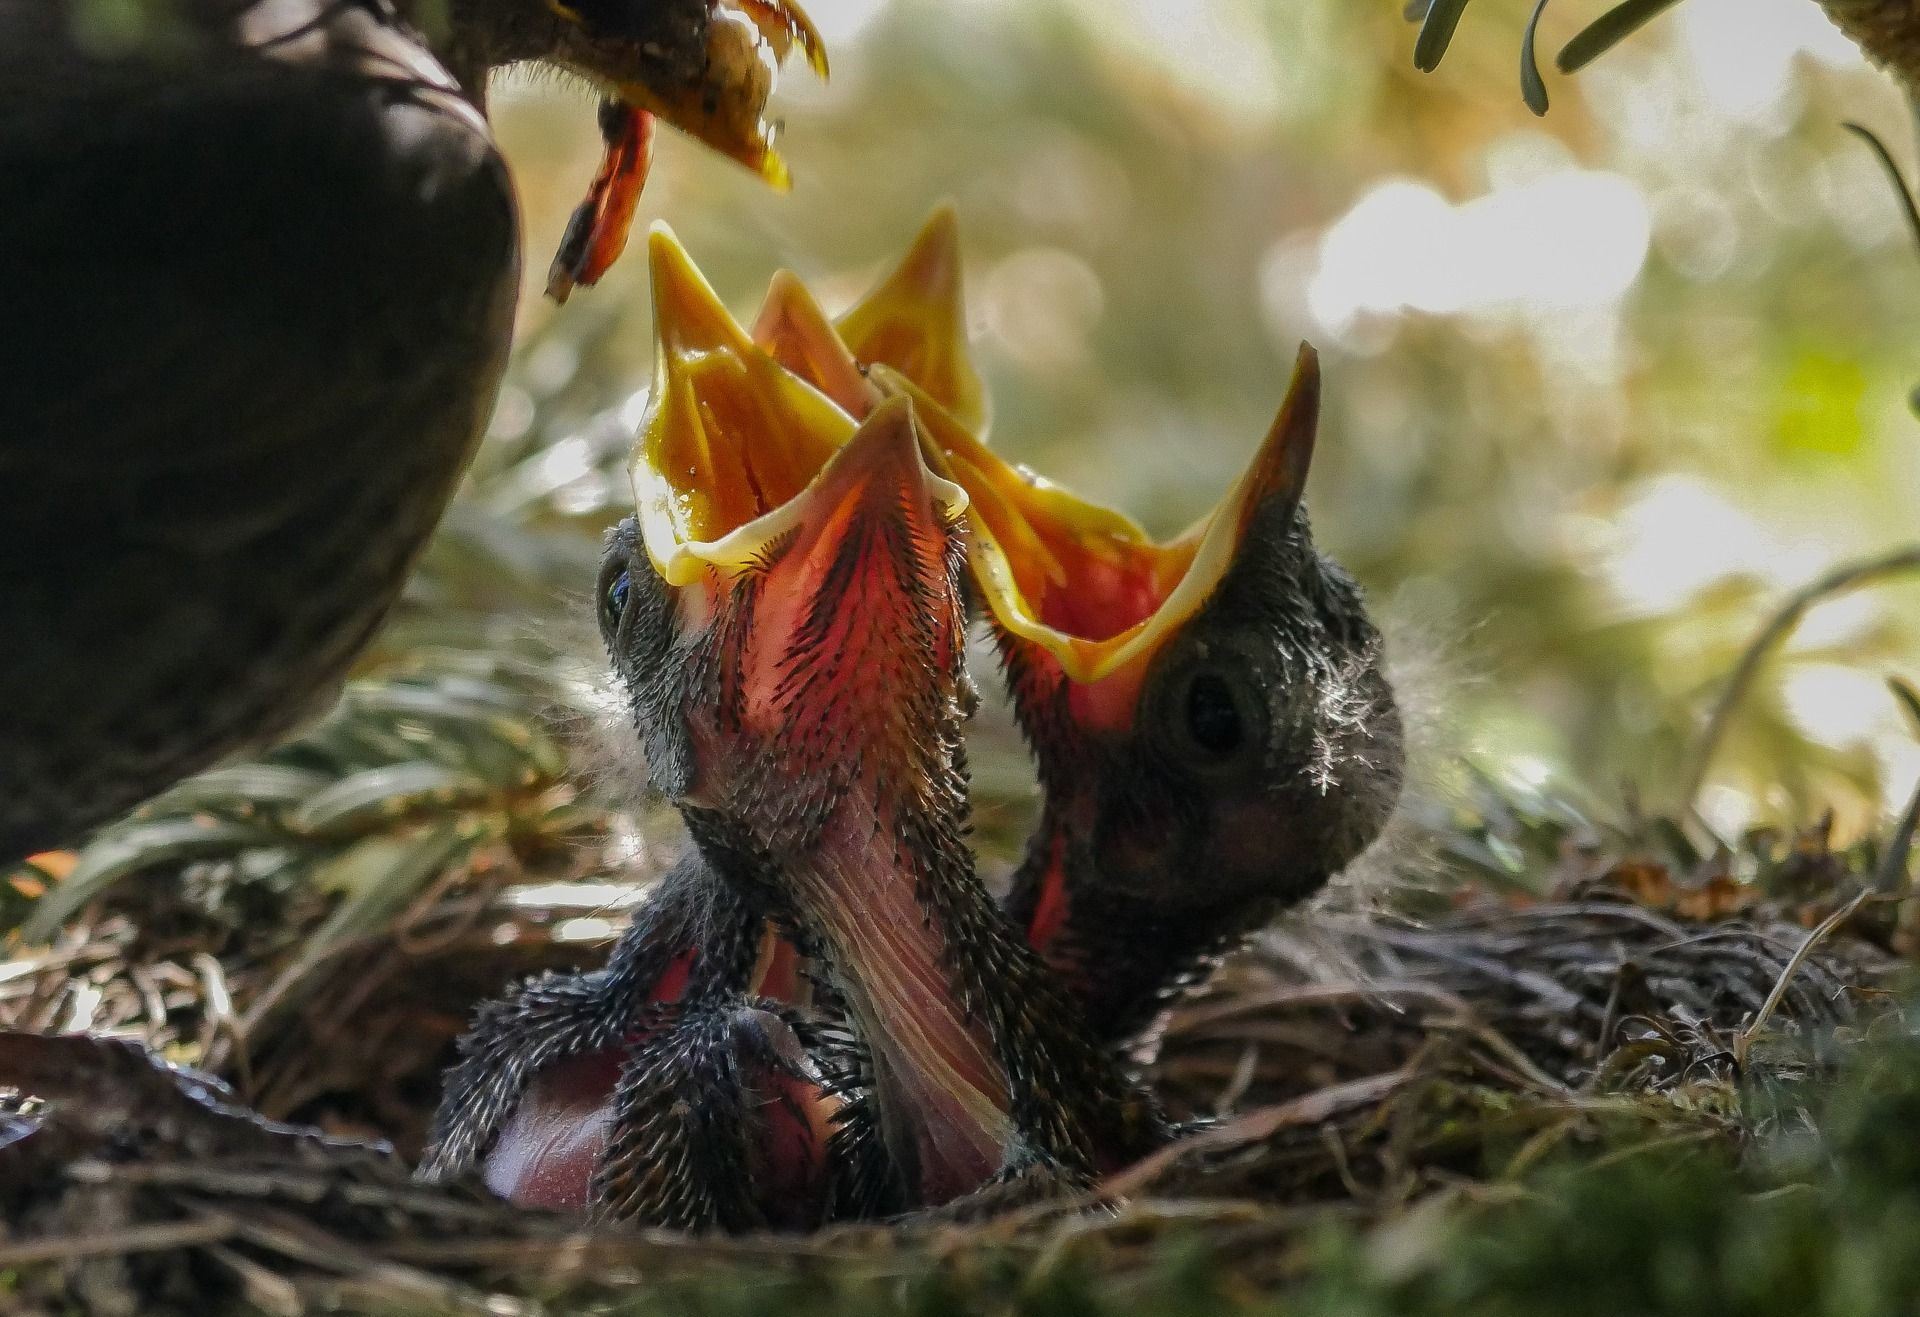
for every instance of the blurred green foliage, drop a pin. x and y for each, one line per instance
(1604, 386)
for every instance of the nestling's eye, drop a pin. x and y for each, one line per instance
(615, 585)
(1213, 720)
(1210, 715)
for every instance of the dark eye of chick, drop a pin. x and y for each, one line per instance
(1209, 712)
(616, 600)
(613, 585)
(1213, 718)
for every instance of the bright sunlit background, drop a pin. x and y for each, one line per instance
(1603, 387)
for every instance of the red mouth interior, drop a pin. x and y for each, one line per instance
(1080, 570)
(1107, 591)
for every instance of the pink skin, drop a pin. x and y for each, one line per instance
(546, 1155)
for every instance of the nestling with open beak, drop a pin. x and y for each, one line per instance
(1214, 734)
(803, 700)
(534, 1099)
(913, 320)
(568, 1090)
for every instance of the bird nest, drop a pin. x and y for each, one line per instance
(1567, 993)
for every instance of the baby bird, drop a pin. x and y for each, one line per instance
(1104, 763)
(1214, 734)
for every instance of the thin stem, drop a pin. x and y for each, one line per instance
(1742, 1043)
(1847, 577)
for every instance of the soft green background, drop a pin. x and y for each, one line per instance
(1603, 386)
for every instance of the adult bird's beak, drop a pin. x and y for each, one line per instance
(724, 106)
(711, 80)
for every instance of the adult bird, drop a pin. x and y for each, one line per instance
(259, 259)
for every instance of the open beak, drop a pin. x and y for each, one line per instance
(1078, 581)
(736, 452)
(1086, 584)
(1081, 581)
(865, 548)
(721, 102)
(725, 107)
(914, 321)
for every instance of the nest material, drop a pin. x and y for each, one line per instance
(317, 929)
(1358, 1064)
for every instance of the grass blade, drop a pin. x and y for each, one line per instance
(376, 797)
(1888, 163)
(1907, 204)
(1608, 31)
(1532, 89)
(126, 851)
(1909, 697)
(1436, 33)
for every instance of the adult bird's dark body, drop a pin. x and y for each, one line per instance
(258, 260)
